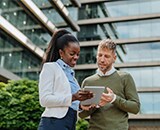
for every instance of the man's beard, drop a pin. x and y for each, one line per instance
(104, 69)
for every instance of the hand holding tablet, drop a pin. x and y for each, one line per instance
(82, 95)
(97, 92)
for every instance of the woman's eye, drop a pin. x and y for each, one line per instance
(72, 54)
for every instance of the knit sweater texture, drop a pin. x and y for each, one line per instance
(113, 116)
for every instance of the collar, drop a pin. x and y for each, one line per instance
(100, 73)
(64, 66)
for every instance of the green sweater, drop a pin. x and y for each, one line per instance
(113, 116)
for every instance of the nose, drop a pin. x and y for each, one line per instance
(76, 57)
(102, 59)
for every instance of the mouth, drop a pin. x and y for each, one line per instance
(73, 62)
(101, 65)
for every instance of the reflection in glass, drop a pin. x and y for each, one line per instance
(87, 55)
(17, 59)
(132, 7)
(150, 103)
(145, 77)
(97, 32)
(119, 8)
(142, 52)
(138, 29)
(38, 36)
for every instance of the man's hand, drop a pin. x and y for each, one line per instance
(107, 97)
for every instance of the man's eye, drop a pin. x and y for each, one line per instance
(99, 55)
(107, 56)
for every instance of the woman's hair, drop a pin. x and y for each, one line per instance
(60, 39)
(107, 43)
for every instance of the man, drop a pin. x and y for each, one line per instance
(120, 96)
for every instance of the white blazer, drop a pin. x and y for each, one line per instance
(54, 91)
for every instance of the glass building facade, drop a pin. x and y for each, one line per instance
(133, 24)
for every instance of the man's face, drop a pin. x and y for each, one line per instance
(105, 59)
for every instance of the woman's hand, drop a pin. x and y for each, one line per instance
(88, 107)
(82, 95)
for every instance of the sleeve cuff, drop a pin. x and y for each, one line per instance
(114, 98)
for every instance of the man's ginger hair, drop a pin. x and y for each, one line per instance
(107, 43)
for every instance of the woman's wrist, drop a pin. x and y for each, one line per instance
(73, 97)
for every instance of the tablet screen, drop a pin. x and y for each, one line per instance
(97, 92)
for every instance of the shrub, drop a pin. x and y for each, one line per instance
(82, 124)
(19, 105)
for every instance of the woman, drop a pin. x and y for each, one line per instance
(59, 91)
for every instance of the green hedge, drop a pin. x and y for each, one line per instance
(19, 106)
(82, 124)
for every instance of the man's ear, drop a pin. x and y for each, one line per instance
(115, 57)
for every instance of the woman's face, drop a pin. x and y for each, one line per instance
(70, 54)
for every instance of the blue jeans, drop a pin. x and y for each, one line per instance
(66, 123)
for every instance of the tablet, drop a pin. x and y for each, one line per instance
(97, 92)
